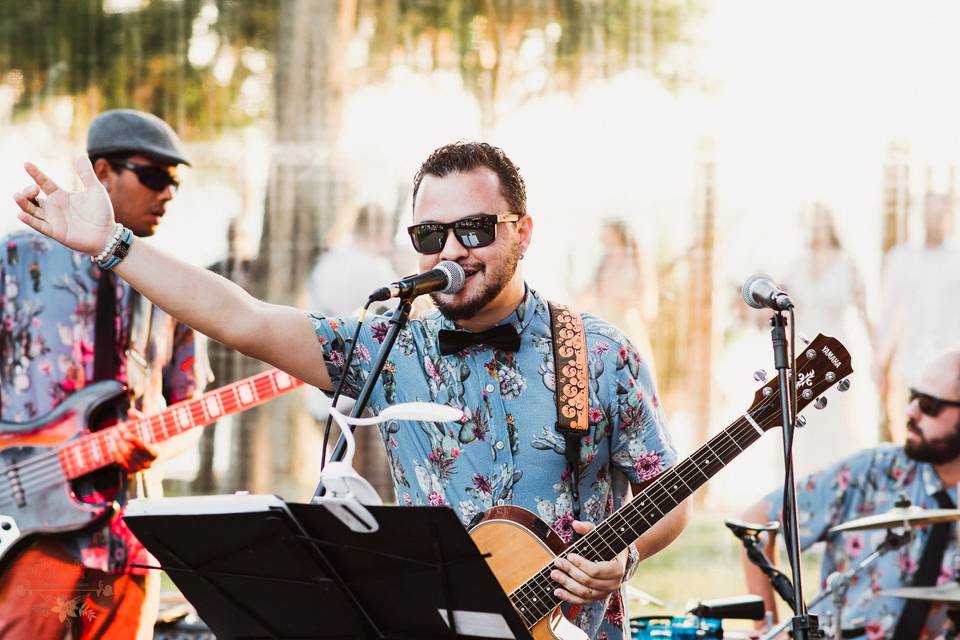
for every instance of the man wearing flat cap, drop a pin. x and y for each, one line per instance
(66, 323)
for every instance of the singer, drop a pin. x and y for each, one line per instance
(488, 349)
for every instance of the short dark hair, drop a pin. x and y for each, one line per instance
(466, 156)
(114, 158)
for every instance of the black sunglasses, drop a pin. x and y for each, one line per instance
(472, 232)
(152, 177)
(931, 405)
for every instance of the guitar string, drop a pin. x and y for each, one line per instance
(256, 381)
(531, 593)
(533, 589)
(541, 581)
(50, 460)
(542, 585)
(154, 422)
(40, 468)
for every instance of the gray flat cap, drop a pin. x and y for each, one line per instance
(122, 130)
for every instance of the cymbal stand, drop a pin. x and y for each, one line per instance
(838, 583)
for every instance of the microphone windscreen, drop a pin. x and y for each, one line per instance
(455, 276)
(747, 290)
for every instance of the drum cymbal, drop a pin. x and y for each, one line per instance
(899, 517)
(946, 592)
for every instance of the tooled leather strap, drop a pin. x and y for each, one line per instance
(570, 370)
(572, 389)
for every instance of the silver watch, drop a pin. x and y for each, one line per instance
(633, 561)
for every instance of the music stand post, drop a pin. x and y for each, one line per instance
(292, 571)
(397, 322)
(805, 625)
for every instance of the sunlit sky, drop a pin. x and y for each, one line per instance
(793, 102)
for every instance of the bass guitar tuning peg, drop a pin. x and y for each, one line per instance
(803, 338)
(820, 403)
(801, 422)
(843, 385)
(760, 375)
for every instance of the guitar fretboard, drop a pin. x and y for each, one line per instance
(535, 599)
(92, 451)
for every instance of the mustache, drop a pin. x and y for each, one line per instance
(913, 428)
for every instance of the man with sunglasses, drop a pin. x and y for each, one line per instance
(64, 324)
(925, 471)
(487, 350)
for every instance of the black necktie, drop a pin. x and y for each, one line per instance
(502, 336)
(915, 612)
(105, 363)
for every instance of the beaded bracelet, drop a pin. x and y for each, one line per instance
(110, 246)
(116, 250)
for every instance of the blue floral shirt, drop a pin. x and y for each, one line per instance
(47, 314)
(507, 449)
(868, 483)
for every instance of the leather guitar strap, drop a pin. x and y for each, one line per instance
(572, 389)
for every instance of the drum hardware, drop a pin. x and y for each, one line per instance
(839, 582)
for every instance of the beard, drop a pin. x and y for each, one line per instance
(496, 281)
(937, 451)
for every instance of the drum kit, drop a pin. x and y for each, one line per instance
(899, 522)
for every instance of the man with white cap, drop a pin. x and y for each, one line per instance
(65, 323)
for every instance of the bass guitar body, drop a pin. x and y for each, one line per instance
(36, 496)
(518, 545)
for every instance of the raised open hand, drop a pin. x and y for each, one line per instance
(81, 220)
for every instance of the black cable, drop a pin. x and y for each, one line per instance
(343, 376)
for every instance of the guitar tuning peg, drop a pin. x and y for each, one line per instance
(803, 338)
(760, 375)
(843, 385)
(820, 403)
(801, 422)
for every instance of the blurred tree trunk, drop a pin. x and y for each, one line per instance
(304, 194)
(702, 338)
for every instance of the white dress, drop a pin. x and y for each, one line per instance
(825, 304)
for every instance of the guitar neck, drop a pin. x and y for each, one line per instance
(535, 597)
(92, 452)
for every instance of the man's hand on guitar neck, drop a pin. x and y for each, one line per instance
(129, 451)
(583, 581)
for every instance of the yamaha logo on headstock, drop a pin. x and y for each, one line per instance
(834, 360)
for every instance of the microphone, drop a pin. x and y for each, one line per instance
(761, 292)
(446, 277)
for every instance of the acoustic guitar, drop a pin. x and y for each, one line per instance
(521, 548)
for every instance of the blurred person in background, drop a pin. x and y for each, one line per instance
(64, 324)
(925, 470)
(339, 284)
(488, 350)
(828, 290)
(624, 287)
(365, 256)
(920, 306)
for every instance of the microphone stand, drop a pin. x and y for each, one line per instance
(397, 323)
(805, 625)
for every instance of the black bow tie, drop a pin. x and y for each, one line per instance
(502, 336)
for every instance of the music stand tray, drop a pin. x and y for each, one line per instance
(255, 566)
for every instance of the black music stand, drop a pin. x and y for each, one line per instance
(257, 567)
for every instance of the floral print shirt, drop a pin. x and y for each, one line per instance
(868, 483)
(47, 316)
(507, 449)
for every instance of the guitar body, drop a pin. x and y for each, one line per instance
(39, 498)
(519, 545)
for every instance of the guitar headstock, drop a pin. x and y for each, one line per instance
(823, 363)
